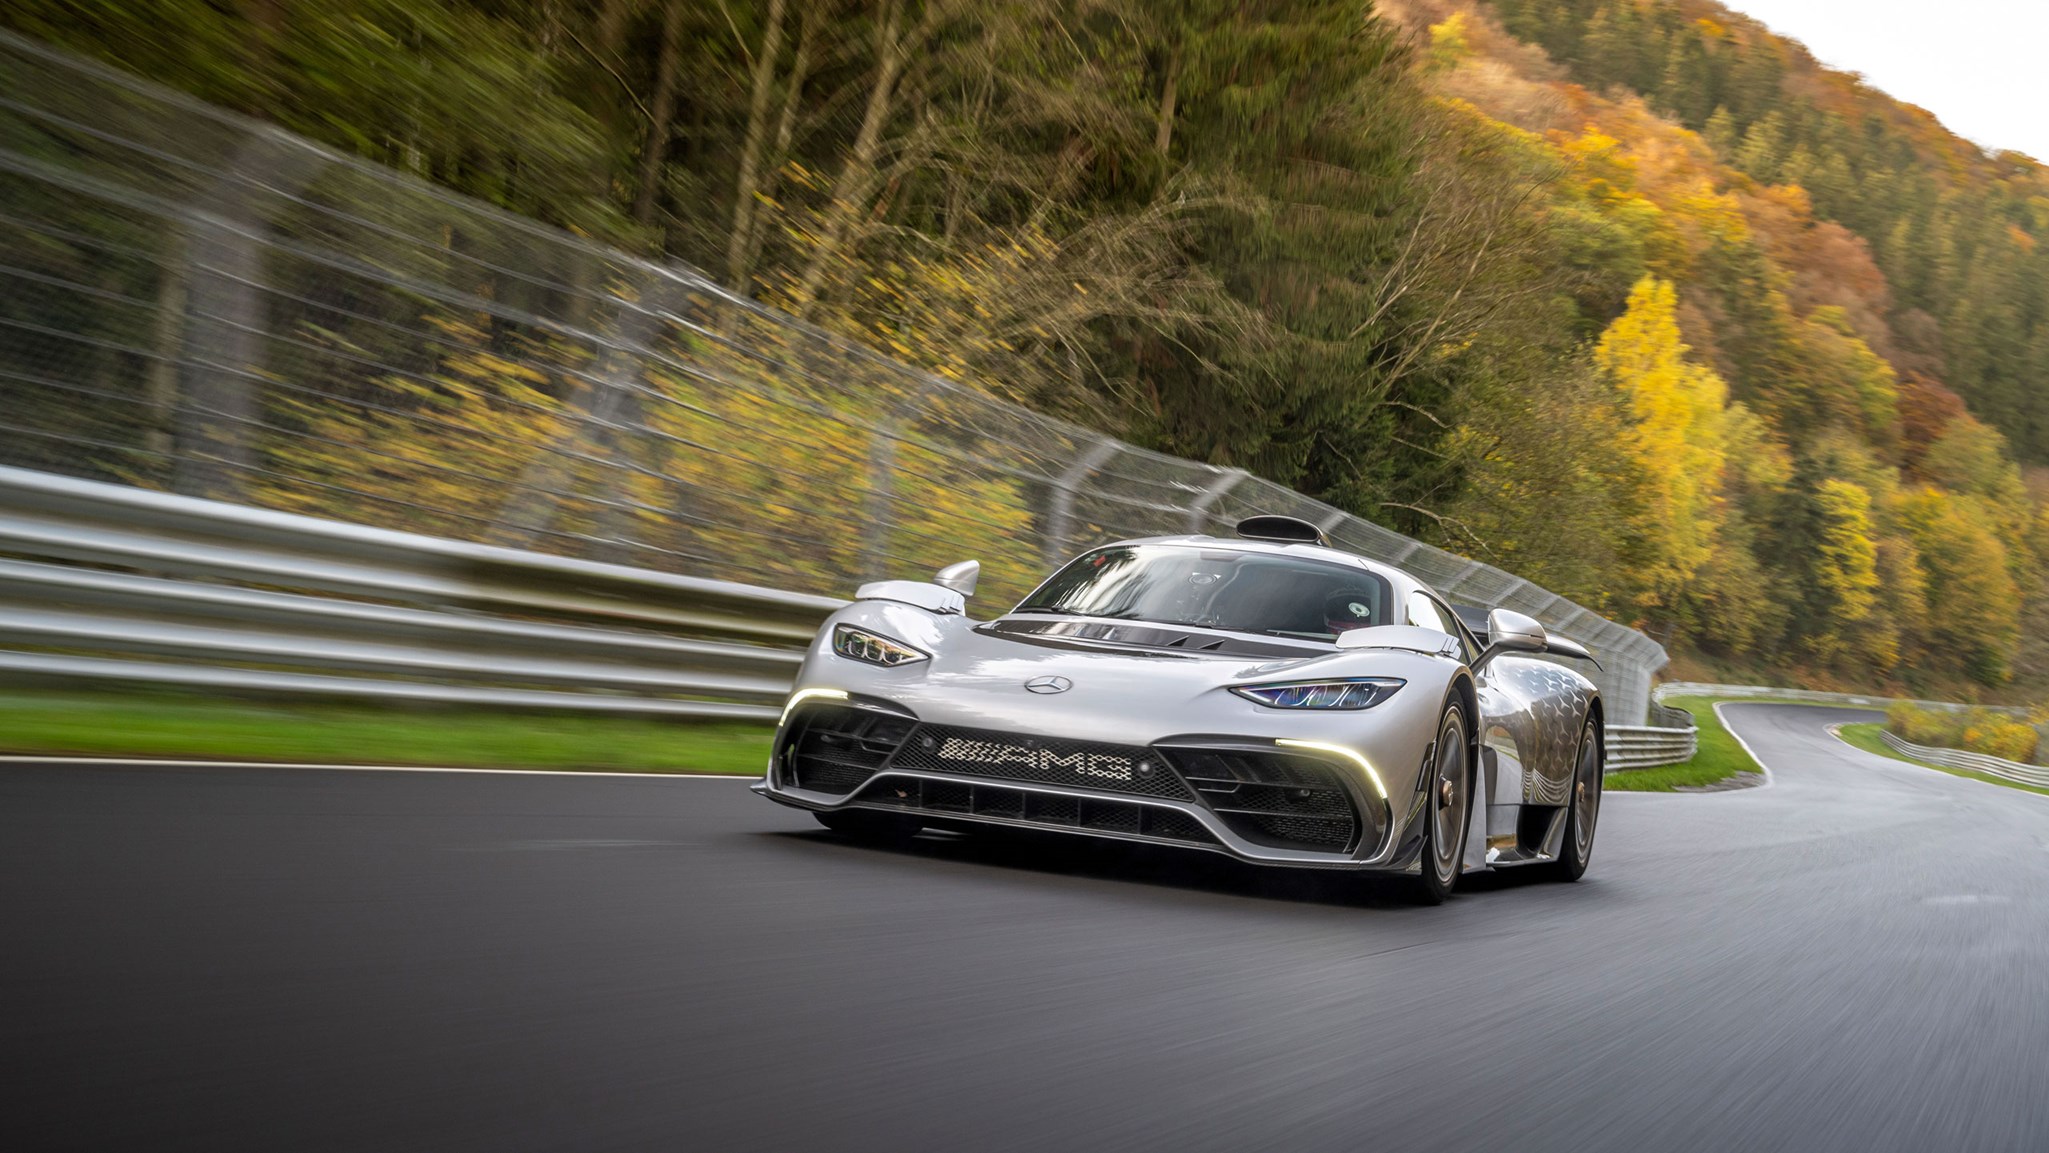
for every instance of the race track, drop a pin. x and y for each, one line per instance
(1855, 958)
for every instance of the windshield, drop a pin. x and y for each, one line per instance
(1250, 592)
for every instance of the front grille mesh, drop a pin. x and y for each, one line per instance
(1008, 756)
(1295, 832)
(833, 749)
(951, 798)
(1275, 799)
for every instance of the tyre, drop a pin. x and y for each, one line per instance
(867, 825)
(1448, 809)
(1582, 809)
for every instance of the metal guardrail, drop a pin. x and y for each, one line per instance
(213, 595)
(1645, 746)
(111, 583)
(1674, 739)
(1975, 762)
(1665, 716)
(1810, 696)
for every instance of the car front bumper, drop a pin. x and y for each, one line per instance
(1256, 798)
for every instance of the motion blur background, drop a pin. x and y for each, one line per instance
(1638, 303)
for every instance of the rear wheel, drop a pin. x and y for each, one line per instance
(1447, 810)
(868, 825)
(1582, 809)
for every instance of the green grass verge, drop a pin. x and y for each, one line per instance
(1866, 737)
(165, 724)
(1719, 757)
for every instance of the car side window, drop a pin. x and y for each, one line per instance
(1426, 612)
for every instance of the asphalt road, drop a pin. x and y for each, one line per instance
(1854, 958)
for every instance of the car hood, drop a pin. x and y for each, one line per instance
(985, 678)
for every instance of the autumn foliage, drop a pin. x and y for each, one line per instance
(1630, 297)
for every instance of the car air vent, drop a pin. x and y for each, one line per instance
(834, 748)
(1272, 798)
(1281, 529)
(1048, 810)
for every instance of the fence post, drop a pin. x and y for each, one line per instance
(613, 406)
(1060, 522)
(1198, 513)
(225, 312)
(882, 470)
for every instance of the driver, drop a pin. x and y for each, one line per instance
(1346, 611)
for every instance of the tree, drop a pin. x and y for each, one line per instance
(1844, 571)
(1674, 441)
(1977, 624)
(1970, 460)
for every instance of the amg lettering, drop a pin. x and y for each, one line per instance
(995, 753)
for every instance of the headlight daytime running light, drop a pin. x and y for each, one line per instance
(1347, 693)
(802, 695)
(858, 644)
(1353, 755)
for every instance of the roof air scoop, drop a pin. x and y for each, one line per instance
(1285, 529)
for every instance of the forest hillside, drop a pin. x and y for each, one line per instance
(1630, 297)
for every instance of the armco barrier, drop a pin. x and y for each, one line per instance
(213, 595)
(1808, 696)
(110, 583)
(1644, 747)
(1976, 762)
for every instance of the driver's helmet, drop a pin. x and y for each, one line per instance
(1346, 611)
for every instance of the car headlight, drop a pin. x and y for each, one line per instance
(859, 644)
(1347, 693)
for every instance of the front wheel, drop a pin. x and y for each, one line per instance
(1582, 809)
(868, 825)
(1448, 808)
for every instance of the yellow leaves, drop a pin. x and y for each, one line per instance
(1448, 42)
(1847, 568)
(485, 366)
(1756, 459)
(1980, 730)
(1676, 439)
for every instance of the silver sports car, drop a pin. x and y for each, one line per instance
(1268, 697)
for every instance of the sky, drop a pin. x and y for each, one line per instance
(1978, 65)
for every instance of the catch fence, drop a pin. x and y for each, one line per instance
(198, 303)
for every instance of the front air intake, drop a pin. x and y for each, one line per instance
(1277, 799)
(835, 748)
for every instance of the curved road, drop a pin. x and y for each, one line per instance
(1854, 958)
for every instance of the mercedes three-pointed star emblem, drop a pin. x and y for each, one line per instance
(1048, 685)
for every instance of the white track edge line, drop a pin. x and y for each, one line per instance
(1723, 720)
(1769, 780)
(165, 763)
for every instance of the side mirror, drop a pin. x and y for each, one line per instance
(960, 577)
(1514, 632)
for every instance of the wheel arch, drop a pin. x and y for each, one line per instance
(1469, 704)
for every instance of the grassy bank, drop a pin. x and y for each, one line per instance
(180, 725)
(1866, 737)
(1719, 757)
